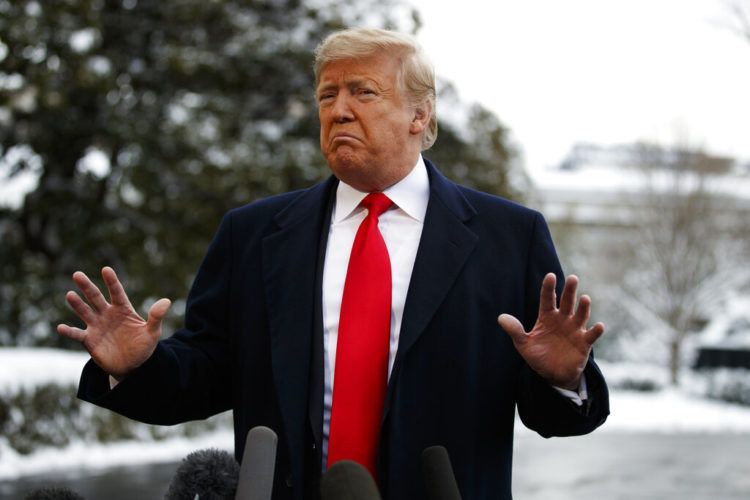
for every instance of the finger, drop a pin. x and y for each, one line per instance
(568, 299)
(512, 327)
(593, 333)
(583, 312)
(116, 292)
(547, 297)
(90, 291)
(156, 315)
(81, 308)
(71, 332)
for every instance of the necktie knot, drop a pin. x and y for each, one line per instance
(376, 204)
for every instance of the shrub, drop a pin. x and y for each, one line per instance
(726, 384)
(51, 415)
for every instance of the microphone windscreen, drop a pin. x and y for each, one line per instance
(53, 493)
(209, 473)
(438, 474)
(258, 464)
(348, 480)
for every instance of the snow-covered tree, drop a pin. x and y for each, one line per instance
(689, 248)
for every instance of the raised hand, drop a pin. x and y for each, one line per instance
(116, 337)
(558, 346)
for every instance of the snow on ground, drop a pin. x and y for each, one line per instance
(662, 411)
(671, 411)
(28, 367)
(91, 456)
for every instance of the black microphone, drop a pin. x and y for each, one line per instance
(438, 474)
(209, 473)
(348, 480)
(53, 493)
(258, 464)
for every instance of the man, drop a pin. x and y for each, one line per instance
(359, 318)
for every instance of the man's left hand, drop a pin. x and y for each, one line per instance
(558, 346)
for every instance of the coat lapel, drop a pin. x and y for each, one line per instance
(290, 260)
(445, 245)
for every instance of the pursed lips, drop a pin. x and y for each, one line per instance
(344, 137)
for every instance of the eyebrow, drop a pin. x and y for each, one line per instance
(353, 83)
(322, 88)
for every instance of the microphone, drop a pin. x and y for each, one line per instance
(53, 493)
(348, 480)
(258, 464)
(209, 473)
(438, 474)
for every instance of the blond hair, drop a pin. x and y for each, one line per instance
(416, 77)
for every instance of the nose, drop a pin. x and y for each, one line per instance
(342, 111)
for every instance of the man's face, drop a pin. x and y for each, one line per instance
(369, 134)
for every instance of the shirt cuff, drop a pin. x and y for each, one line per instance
(577, 397)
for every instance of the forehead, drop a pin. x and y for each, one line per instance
(383, 69)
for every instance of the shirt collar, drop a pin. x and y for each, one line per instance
(410, 194)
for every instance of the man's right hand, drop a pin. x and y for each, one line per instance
(116, 336)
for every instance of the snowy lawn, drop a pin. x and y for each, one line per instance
(27, 367)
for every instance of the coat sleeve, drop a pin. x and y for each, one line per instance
(188, 375)
(541, 407)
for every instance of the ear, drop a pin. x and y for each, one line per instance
(421, 118)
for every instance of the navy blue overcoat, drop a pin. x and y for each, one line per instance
(252, 343)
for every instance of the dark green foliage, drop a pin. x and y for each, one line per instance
(475, 151)
(30, 419)
(51, 416)
(197, 106)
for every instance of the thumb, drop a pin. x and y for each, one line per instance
(512, 327)
(156, 314)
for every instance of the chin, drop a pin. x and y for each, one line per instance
(357, 172)
(345, 166)
(345, 157)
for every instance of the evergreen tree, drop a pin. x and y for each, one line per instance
(146, 120)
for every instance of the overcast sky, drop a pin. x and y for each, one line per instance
(559, 72)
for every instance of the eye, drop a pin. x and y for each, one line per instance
(366, 92)
(326, 97)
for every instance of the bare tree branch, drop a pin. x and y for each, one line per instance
(740, 12)
(686, 257)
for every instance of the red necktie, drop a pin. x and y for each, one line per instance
(361, 373)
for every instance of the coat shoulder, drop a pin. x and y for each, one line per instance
(268, 206)
(285, 208)
(486, 201)
(466, 200)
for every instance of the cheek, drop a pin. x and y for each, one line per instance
(395, 132)
(323, 135)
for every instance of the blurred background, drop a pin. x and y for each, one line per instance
(128, 127)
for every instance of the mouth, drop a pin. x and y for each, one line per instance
(344, 138)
